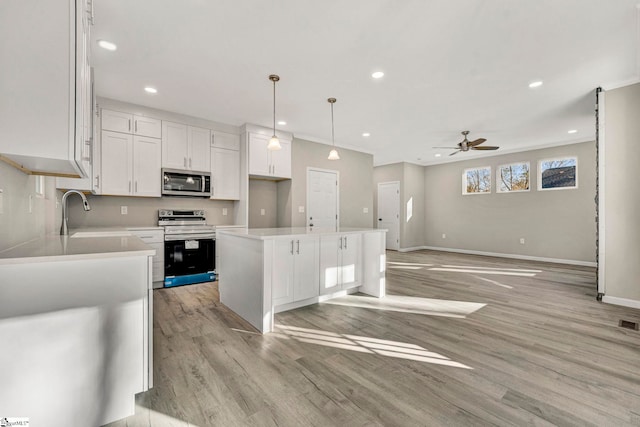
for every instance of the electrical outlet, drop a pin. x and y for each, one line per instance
(365, 210)
(123, 210)
(522, 240)
(444, 236)
(262, 212)
(300, 209)
(224, 211)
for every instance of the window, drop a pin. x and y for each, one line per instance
(513, 178)
(476, 181)
(558, 174)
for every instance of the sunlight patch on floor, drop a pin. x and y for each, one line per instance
(395, 349)
(412, 264)
(522, 270)
(415, 305)
(494, 271)
(156, 418)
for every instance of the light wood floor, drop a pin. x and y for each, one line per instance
(541, 352)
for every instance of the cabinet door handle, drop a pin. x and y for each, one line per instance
(213, 140)
(129, 125)
(90, 12)
(345, 242)
(298, 247)
(129, 186)
(135, 126)
(341, 243)
(292, 247)
(97, 181)
(189, 162)
(136, 186)
(185, 162)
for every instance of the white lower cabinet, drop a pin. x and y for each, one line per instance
(340, 262)
(130, 165)
(155, 239)
(295, 270)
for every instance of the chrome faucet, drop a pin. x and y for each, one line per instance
(64, 230)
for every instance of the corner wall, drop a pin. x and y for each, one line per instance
(620, 198)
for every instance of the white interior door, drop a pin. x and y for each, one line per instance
(389, 212)
(322, 198)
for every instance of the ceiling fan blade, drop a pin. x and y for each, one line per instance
(455, 152)
(476, 142)
(488, 147)
(447, 148)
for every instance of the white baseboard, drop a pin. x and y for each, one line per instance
(501, 255)
(621, 301)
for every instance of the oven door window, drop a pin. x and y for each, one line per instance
(184, 257)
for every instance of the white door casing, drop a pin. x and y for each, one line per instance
(322, 198)
(389, 212)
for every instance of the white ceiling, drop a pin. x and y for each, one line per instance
(449, 66)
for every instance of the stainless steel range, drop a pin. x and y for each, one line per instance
(189, 247)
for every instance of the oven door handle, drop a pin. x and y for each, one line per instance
(174, 237)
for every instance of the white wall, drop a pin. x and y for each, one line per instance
(620, 198)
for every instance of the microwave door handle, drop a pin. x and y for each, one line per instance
(203, 177)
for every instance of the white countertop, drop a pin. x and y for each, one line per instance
(269, 233)
(63, 248)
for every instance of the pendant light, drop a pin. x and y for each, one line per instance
(333, 154)
(274, 142)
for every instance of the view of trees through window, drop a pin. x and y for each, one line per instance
(558, 173)
(477, 180)
(513, 177)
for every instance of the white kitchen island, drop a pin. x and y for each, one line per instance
(76, 329)
(263, 271)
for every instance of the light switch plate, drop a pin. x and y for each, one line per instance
(365, 210)
(262, 212)
(224, 211)
(300, 209)
(123, 210)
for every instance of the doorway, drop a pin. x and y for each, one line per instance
(322, 198)
(389, 212)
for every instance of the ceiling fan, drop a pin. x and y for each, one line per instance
(467, 145)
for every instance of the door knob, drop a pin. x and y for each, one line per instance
(379, 219)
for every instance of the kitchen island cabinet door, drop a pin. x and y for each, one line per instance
(146, 166)
(330, 264)
(351, 266)
(282, 273)
(305, 269)
(116, 159)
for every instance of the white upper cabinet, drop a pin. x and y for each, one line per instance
(199, 149)
(45, 107)
(266, 163)
(185, 147)
(225, 140)
(130, 165)
(225, 174)
(117, 121)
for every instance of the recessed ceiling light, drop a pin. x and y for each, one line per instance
(366, 134)
(438, 155)
(377, 75)
(572, 131)
(150, 89)
(282, 123)
(535, 84)
(107, 45)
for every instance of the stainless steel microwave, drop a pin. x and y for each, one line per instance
(185, 183)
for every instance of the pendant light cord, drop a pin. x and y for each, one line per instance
(274, 108)
(333, 140)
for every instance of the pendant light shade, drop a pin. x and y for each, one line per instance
(274, 142)
(333, 154)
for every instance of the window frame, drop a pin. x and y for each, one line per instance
(539, 173)
(464, 181)
(499, 174)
